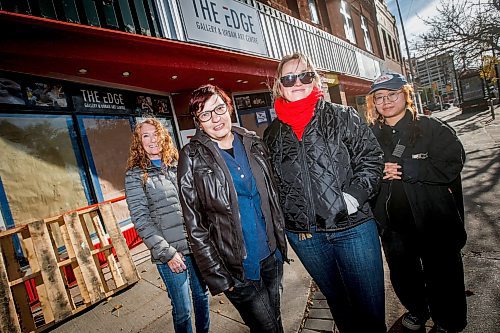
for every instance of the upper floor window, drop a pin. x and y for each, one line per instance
(348, 27)
(314, 11)
(366, 34)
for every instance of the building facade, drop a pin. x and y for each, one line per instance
(389, 37)
(75, 76)
(436, 78)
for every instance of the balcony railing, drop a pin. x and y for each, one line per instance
(283, 34)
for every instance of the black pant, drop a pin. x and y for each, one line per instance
(258, 302)
(427, 278)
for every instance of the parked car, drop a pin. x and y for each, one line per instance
(437, 107)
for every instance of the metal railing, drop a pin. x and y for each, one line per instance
(283, 34)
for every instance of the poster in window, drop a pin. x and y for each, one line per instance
(272, 113)
(45, 94)
(10, 92)
(258, 100)
(261, 117)
(148, 105)
(243, 102)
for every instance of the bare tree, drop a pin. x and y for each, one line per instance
(467, 27)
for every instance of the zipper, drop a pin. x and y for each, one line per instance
(387, 204)
(307, 187)
(239, 240)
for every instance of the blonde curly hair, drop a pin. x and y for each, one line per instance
(138, 157)
(372, 116)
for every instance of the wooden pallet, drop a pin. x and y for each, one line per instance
(58, 300)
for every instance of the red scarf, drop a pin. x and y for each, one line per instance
(298, 114)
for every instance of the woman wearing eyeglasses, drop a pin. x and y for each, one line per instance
(328, 164)
(420, 207)
(232, 214)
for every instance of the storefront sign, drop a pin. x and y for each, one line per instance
(94, 100)
(224, 23)
(330, 79)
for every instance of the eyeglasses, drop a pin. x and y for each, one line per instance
(205, 116)
(290, 79)
(391, 97)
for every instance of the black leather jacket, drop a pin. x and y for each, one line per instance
(210, 205)
(338, 153)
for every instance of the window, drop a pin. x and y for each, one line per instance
(348, 27)
(314, 11)
(386, 46)
(41, 172)
(393, 46)
(366, 34)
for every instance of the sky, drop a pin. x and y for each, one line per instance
(412, 11)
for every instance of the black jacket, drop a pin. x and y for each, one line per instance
(431, 162)
(338, 153)
(210, 205)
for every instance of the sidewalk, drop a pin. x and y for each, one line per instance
(145, 307)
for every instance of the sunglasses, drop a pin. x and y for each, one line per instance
(290, 79)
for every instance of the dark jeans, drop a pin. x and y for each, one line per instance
(427, 277)
(259, 302)
(347, 267)
(178, 286)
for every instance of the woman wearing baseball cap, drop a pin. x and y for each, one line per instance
(420, 207)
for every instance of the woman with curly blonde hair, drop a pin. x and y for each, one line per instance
(153, 202)
(420, 207)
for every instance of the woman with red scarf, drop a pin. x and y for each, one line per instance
(328, 164)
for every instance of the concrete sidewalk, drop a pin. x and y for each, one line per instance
(145, 307)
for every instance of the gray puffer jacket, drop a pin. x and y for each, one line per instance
(155, 211)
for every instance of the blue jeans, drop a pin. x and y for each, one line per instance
(259, 302)
(347, 267)
(178, 285)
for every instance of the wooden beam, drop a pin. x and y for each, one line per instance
(51, 274)
(84, 257)
(122, 251)
(8, 316)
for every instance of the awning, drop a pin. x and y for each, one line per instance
(60, 50)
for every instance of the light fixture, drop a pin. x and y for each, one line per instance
(245, 81)
(82, 71)
(211, 78)
(126, 74)
(173, 77)
(239, 81)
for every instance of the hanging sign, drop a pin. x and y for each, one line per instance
(225, 23)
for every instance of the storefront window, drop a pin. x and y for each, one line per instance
(106, 141)
(40, 170)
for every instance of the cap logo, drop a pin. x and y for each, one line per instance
(383, 78)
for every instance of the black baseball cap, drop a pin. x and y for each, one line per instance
(388, 81)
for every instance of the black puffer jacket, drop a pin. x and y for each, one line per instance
(211, 212)
(431, 164)
(338, 153)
